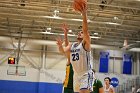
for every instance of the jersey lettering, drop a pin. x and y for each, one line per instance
(75, 57)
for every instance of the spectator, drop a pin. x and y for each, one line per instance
(108, 88)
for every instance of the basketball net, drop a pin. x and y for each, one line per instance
(17, 74)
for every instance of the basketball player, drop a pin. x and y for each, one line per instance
(97, 86)
(68, 83)
(80, 57)
(108, 88)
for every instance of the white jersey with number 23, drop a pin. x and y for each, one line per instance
(80, 58)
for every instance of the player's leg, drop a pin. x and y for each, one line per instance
(86, 83)
(84, 91)
(76, 84)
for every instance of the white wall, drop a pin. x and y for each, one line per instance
(34, 75)
(53, 75)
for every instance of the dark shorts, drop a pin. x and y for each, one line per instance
(68, 90)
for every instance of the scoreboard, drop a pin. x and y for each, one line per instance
(11, 60)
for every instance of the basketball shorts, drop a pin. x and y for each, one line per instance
(83, 82)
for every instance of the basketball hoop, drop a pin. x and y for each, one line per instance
(16, 70)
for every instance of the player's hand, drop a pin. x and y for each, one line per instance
(59, 42)
(65, 28)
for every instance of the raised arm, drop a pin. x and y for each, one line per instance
(86, 38)
(59, 44)
(81, 6)
(62, 49)
(65, 29)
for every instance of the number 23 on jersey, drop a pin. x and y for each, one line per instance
(75, 56)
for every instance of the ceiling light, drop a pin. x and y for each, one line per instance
(50, 33)
(77, 19)
(96, 37)
(115, 18)
(111, 23)
(68, 34)
(96, 34)
(70, 31)
(53, 17)
(49, 29)
(57, 17)
(56, 11)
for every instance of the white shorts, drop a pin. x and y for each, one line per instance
(83, 82)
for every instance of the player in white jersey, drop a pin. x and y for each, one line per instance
(108, 88)
(81, 62)
(80, 55)
(80, 58)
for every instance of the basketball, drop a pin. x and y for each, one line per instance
(79, 5)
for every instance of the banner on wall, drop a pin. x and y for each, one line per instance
(127, 64)
(114, 81)
(104, 62)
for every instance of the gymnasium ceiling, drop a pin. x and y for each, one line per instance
(112, 21)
